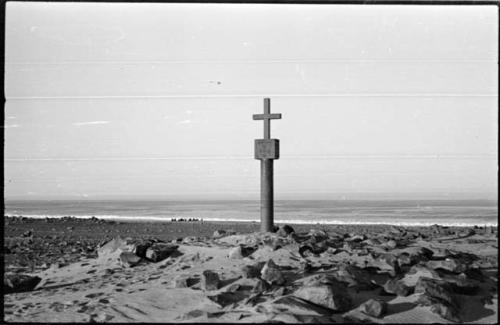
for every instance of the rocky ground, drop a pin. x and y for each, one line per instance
(88, 270)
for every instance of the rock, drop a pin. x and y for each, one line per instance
(253, 299)
(405, 259)
(160, 251)
(466, 233)
(372, 242)
(439, 252)
(226, 298)
(463, 285)
(305, 251)
(395, 230)
(260, 286)
(189, 239)
(113, 245)
(183, 281)
(385, 263)
(440, 307)
(233, 287)
(356, 238)
(141, 248)
(374, 308)
(271, 273)
(324, 295)
(417, 271)
(240, 252)
(331, 251)
(250, 271)
(27, 233)
(317, 235)
(475, 273)
(285, 230)
(351, 246)
(210, 280)
(279, 292)
(391, 244)
(412, 255)
(437, 229)
(397, 287)
(274, 243)
(306, 267)
(449, 264)
(219, 233)
(292, 303)
(129, 259)
(436, 289)
(236, 253)
(353, 276)
(19, 283)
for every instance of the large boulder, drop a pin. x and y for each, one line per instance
(439, 289)
(272, 274)
(325, 296)
(141, 248)
(160, 251)
(440, 307)
(115, 245)
(374, 308)
(19, 283)
(210, 280)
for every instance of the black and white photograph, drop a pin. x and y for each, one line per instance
(285, 162)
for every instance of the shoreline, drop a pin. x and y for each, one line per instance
(149, 219)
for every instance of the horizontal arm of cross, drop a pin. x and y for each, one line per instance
(274, 116)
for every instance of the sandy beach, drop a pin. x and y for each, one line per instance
(81, 270)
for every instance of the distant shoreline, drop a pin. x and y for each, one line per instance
(147, 219)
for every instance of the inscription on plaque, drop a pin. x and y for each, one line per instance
(267, 149)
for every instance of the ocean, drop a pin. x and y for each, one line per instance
(396, 212)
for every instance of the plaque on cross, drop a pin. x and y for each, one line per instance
(266, 150)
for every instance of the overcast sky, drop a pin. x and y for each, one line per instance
(156, 100)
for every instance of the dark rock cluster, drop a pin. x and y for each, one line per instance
(394, 263)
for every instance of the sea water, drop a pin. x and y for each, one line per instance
(396, 212)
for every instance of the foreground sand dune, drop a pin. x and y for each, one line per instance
(283, 277)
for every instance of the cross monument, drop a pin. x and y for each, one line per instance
(267, 150)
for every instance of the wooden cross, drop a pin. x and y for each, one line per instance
(267, 117)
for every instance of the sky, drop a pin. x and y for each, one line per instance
(131, 100)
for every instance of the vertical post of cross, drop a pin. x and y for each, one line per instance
(266, 150)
